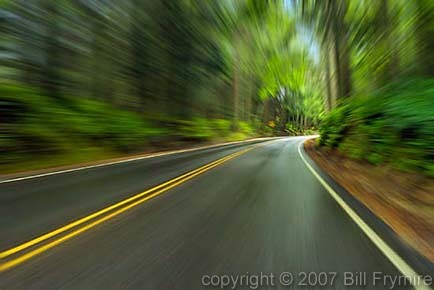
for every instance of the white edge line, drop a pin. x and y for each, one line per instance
(152, 155)
(393, 257)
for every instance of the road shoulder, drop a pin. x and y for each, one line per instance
(21, 175)
(421, 264)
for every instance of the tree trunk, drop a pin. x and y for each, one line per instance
(334, 86)
(97, 85)
(248, 108)
(328, 80)
(342, 54)
(424, 34)
(51, 70)
(235, 92)
(266, 111)
(391, 68)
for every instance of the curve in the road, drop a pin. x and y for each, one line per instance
(121, 207)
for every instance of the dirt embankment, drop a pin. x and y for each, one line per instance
(402, 200)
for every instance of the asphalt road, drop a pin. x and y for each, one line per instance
(260, 212)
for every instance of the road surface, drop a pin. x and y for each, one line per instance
(260, 212)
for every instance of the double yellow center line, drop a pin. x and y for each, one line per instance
(81, 225)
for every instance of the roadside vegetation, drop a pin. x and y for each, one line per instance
(83, 80)
(393, 126)
(377, 134)
(42, 132)
(377, 66)
(87, 79)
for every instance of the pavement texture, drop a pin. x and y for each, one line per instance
(261, 213)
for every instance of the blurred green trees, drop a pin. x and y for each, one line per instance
(377, 69)
(393, 125)
(120, 75)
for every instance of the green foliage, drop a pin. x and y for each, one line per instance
(208, 129)
(77, 129)
(197, 128)
(267, 131)
(292, 129)
(333, 127)
(37, 124)
(140, 72)
(394, 126)
(221, 127)
(245, 128)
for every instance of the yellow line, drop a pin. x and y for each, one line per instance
(69, 226)
(152, 155)
(174, 182)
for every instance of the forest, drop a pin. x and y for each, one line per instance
(89, 79)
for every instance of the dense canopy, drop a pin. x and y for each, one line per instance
(122, 75)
